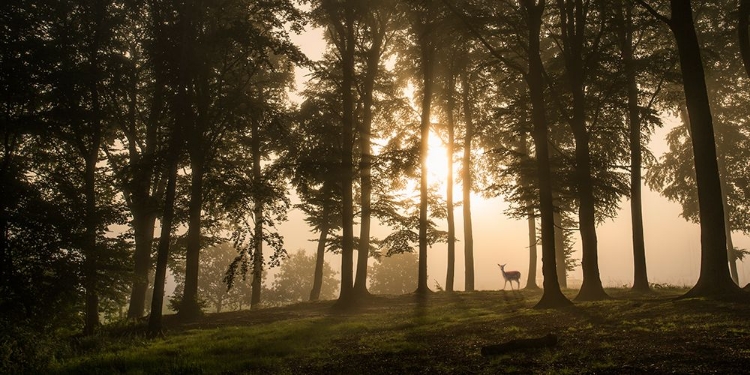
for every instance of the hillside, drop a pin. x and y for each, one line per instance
(442, 334)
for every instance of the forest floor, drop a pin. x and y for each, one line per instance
(440, 334)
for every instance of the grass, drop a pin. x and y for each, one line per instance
(440, 335)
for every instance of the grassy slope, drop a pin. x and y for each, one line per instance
(442, 335)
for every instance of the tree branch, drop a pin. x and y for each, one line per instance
(494, 52)
(653, 12)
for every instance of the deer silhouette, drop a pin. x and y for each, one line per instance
(510, 276)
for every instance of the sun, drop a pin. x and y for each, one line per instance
(437, 163)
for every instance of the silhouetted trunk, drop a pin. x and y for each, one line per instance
(190, 307)
(91, 262)
(143, 228)
(723, 172)
(552, 296)
(427, 54)
(91, 156)
(714, 279)
(347, 173)
(466, 185)
(162, 255)
(450, 105)
(257, 217)
(320, 255)
(640, 276)
(572, 25)
(523, 150)
(365, 163)
(743, 29)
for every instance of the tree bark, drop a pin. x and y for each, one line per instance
(190, 306)
(347, 173)
(162, 256)
(640, 275)
(320, 255)
(531, 220)
(365, 163)
(573, 24)
(552, 296)
(723, 172)
(91, 158)
(466, 185)
(714, 279)
(450, 105)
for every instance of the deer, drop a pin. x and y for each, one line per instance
(510, 276)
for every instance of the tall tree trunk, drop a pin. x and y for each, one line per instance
(143, 202)
(714, 279)
(320, 255)
(552, 296)
(723, 172)
(451, 269)
(365, 163)
(573, 24)
(91, 156)
(640, 276)
(523, 149)
(743, 29)
(143, 228)
(258, 218)
(427, 51)
(190, 306)
(347, 173)
(91, 254)
(162, 255)
(466, 184)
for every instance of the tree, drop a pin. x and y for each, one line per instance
(714, 279)
(552, 296)
(293, 281)
(395, 274)
(626, 35)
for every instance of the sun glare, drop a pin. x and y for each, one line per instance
(437, 162)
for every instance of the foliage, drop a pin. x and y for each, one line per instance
(294, 280)
(395, 274)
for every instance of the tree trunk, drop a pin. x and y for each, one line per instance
(572, 24)
(365, 163)
(714, 279)
(743, 29)
(552, 296)
(162, 256)
(723, 172)
(258, 218)
(189, 307)
(143, 228)
(91, 156)
(320, 255)
(91, 262)
(451, 269)
(531, 220)
(347, 174)
(466, 185)
(640, 276)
